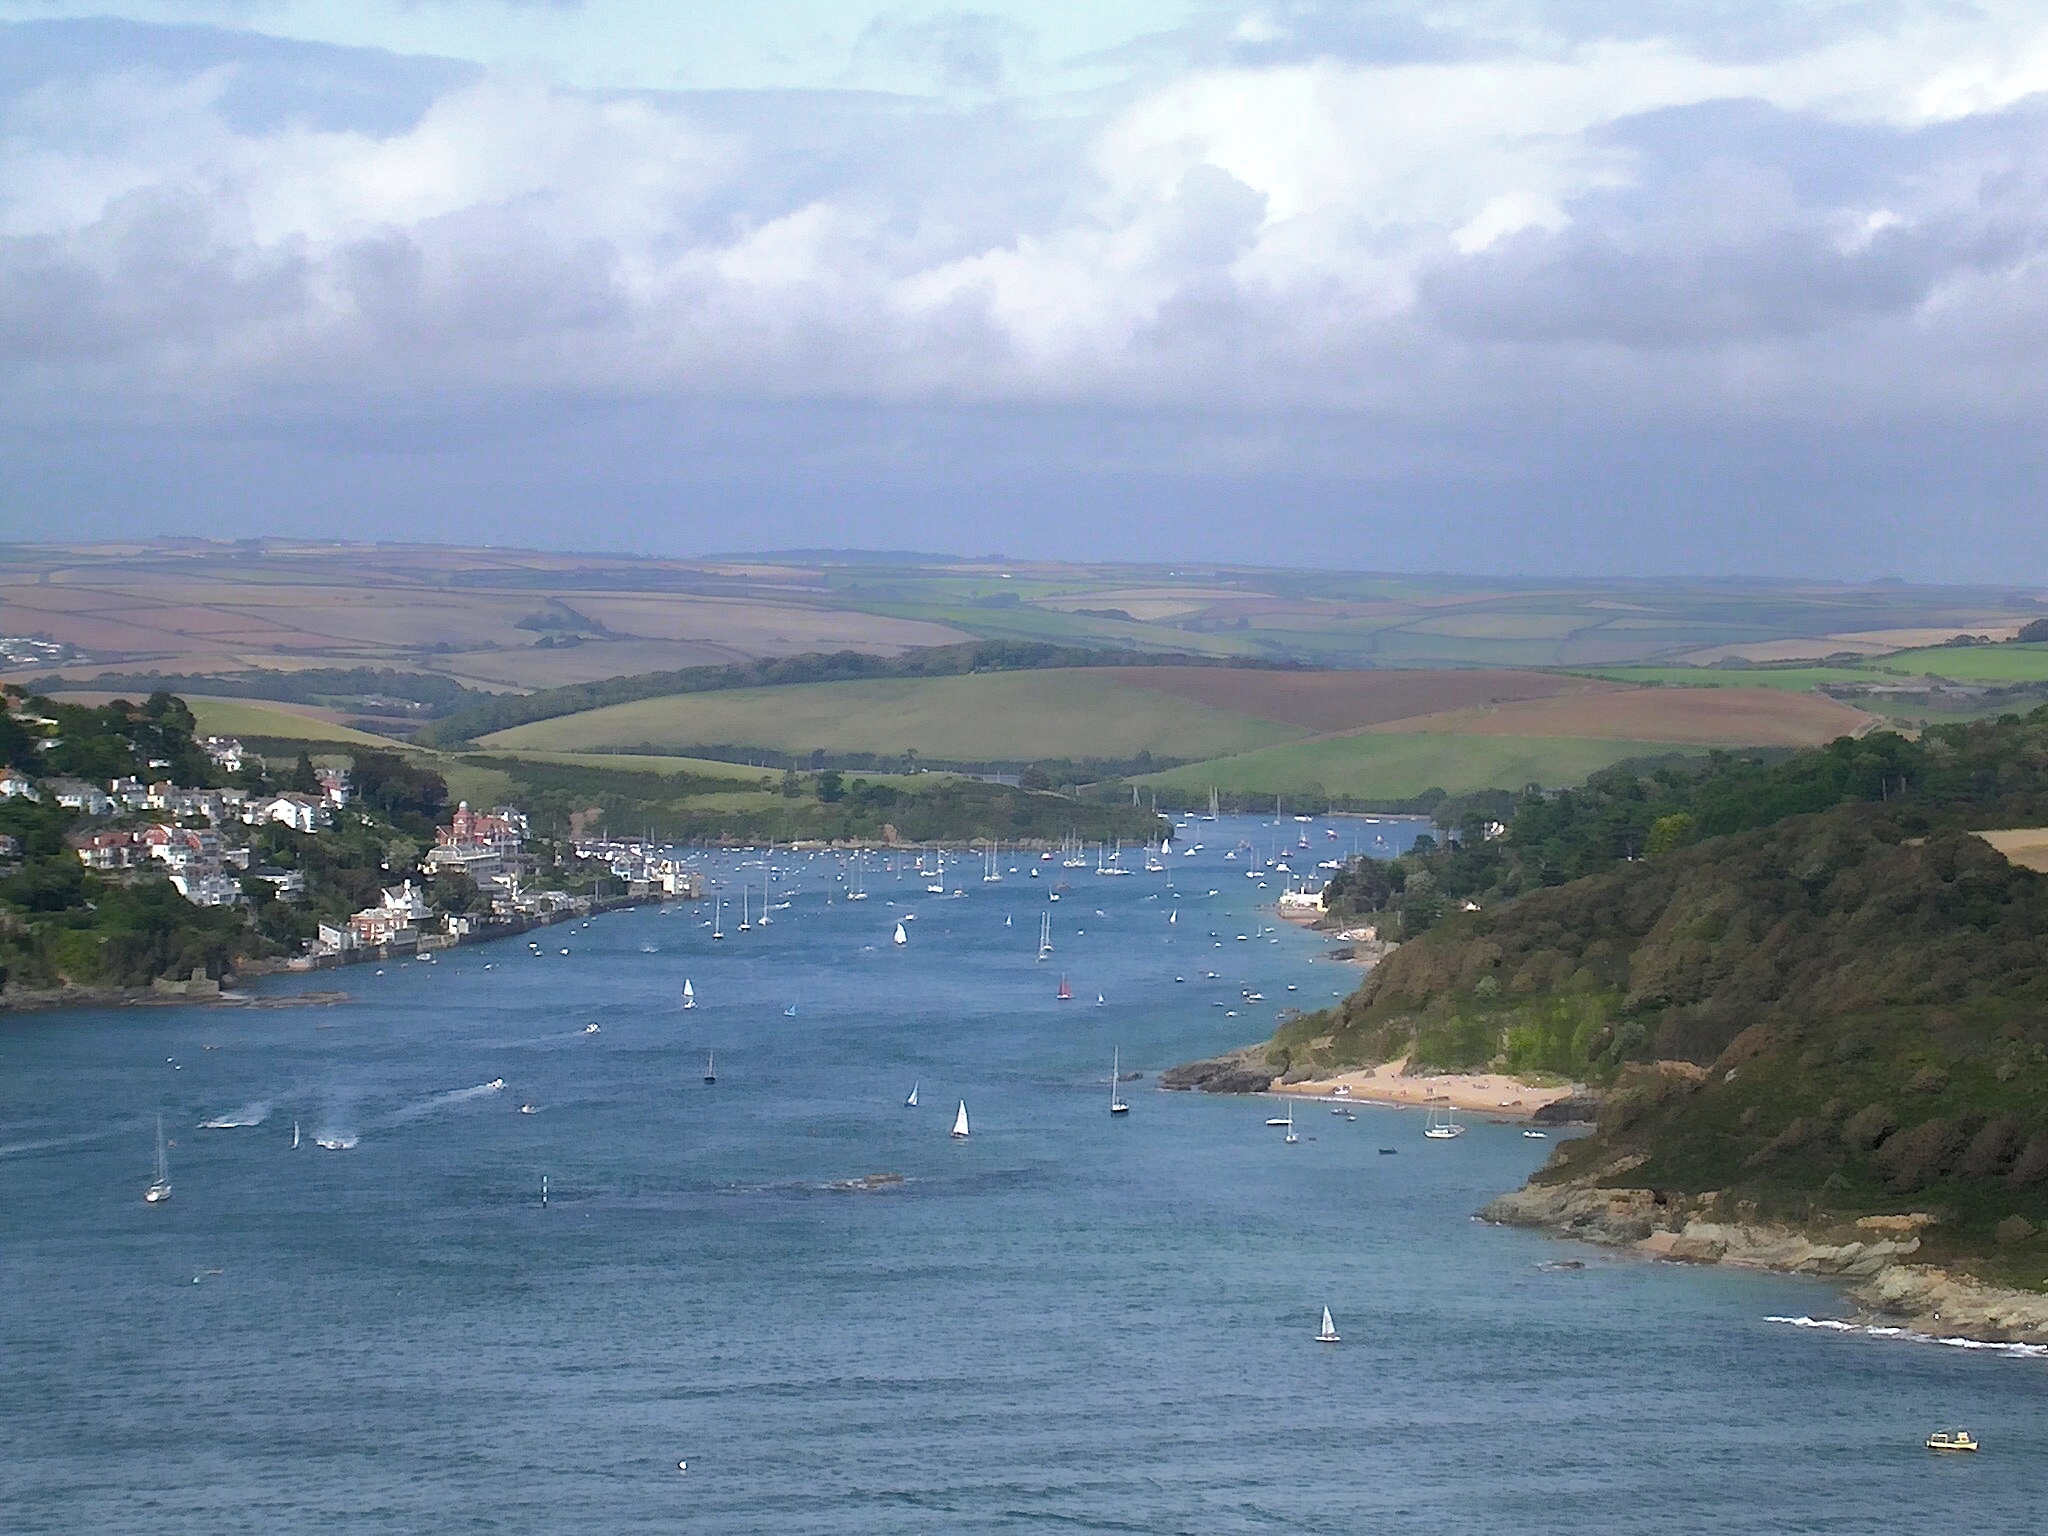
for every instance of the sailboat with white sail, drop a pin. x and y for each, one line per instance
(959, 1131)
(718, 919)
(1442, 1124)
(159, 1187)
(1290, 1138)
(1044, 934)
(937, 885)
(859, 891)
(1117, 1106)
(901, 937)
(1329, 1330)
(689, 994)
(911, 1102)
(744, 924)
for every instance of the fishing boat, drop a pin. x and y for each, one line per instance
(1951, 1440)
(159, 1187)
(959, 1131)
(901, 937)
(911, 1102)
(710, 1071)
(1117, 1106)
(1066, 993)
(1329, 1330)
(689, 994)
(1443, 1124)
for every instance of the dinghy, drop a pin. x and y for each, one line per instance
(959, 1132)
(1329, 1333)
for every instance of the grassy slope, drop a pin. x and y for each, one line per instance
(1797, 679)
(241, 717)
(1397, 766)
(1007, 716)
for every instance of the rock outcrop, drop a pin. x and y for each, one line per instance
(1245, 1071)
(1579, 1109)
(1699, 1229)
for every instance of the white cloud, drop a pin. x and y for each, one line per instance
(1481, 235)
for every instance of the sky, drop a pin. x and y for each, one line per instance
(1530, 287)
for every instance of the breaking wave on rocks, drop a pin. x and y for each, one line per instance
(1881, 1331)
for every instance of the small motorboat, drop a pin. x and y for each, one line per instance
(1537, 1135)
(1389, 1151)
(1951, 1440)
(590, 1029)
(528, 1109)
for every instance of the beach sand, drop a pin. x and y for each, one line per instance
(1491, 1093)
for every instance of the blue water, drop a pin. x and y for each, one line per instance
(1066, 1321)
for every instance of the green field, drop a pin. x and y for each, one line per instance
(1387, 766)
(1994, 664)
(240, 717)
(987, 717)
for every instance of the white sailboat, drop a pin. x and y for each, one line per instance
(937, 887)
(911, 1102)
(1173, 917)
(710, 1071)
(1117, 1106)
(959, 1132)
(295, 1135)
(859, 891)
(1044, 934)
(718, 919)
(1329, 1333)
(744, 924)
(1290, 1138)
(1443, 1125)
(160, 1187)
(689, 994)
(901, 937)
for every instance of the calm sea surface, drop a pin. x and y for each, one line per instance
(1064, 1322)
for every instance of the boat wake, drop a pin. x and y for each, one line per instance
(335, 1142)
(82, 1138)
(1881, 1331)
(249, 1114)
(447, 1100)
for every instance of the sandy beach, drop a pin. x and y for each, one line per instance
(1491, 1093)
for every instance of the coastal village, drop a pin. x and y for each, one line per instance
(208, 842)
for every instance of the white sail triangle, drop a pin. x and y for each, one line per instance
(960, 1121)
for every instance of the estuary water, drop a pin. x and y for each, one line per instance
(1066, 1321)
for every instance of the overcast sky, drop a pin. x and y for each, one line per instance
(1542, 286)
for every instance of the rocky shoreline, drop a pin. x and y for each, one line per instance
(1874, 1253)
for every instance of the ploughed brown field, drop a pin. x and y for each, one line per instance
(1328, 702)
(1707, 717)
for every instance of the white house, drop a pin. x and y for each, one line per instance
(15, 786)
(215, 890)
